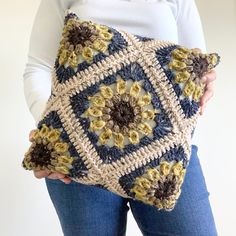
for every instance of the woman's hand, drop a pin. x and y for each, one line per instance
(208, 80)
(209, 89)
(46, 173)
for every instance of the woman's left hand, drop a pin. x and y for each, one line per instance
(208, 80)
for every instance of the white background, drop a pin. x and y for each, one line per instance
(25, 207)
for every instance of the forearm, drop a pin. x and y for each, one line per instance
(37, 87)
(44, 41)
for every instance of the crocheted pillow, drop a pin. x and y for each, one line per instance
(121, 113)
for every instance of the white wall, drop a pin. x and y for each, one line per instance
(25, 207)
(217, 129)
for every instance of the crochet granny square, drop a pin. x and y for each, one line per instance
(121, 113)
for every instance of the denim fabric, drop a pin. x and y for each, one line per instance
(88, 210)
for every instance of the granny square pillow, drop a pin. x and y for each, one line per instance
(121, 113)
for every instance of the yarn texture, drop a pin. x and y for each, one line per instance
(122, 112)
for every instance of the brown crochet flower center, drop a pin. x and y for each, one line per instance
(122, 113)
(200, 65)
(79, 35)
(41, 155)
(165, 189)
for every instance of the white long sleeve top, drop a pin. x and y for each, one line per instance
(177, 21)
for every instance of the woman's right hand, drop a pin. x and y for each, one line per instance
(46, 173)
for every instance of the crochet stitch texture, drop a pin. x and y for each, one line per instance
(121, 113)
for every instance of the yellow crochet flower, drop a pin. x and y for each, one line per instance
(144, 128)
(121, 86)
(181, 77)
(133, 137)
(48, 152)
(135, 89)
(53, 135)
(44, 131)
(97, 125)
(105, 136)
(121, 113)
(165, 168)
(61, 147)
(119, 140)
(149, 114)
(145, 100)
(102, 27)
(73, 59)
(153, 174)
(81, 40)
(106, 35)
(177, 65)
(189, 88)
(100, 45)
(106, 92)
(188, 66)
(160, 186)
(94, 111)
(98, 101)
(87, 54)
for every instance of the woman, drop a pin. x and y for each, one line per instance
(88, 210)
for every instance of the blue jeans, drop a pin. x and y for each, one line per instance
(85, 210)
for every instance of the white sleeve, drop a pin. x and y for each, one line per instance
(190, 31)
(44, 41)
